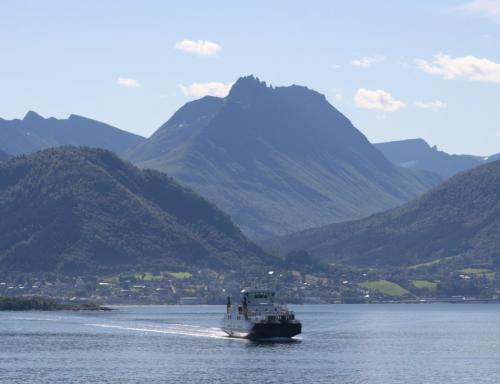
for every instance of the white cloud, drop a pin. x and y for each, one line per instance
(487, 8)
(198, 47)
(130, 83)
(213, 88)
(366, 61)
(470, 67)
(377, 99)
(338, 97)
(433, 106)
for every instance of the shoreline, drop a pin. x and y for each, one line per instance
(39, 303)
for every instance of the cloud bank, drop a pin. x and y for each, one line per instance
(433, 106)
(366, 61)
(486, 8)
(198, 47)
(469, 67)
(213, 88)
(377, 99)
(127, 82)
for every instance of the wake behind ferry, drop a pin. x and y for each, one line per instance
(257, 317)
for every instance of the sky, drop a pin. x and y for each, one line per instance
(397, 69)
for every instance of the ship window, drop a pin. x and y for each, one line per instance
(260, 296)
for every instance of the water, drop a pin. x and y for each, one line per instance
(182, 344)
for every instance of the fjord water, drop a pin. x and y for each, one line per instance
(340, 344)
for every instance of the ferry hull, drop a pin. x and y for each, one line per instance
(261, 331)
(274, 330)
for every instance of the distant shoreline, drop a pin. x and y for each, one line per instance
(478, 301)
(38, 303)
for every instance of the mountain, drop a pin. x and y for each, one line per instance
(417, 154)
(460, 220)
(277, 159)
(79, 210)
(34, 132)
(4, 155)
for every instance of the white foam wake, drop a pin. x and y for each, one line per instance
(174, 329)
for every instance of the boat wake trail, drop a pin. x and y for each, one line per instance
(173, 329)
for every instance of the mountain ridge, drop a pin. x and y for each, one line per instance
(277, 159)
(34, 132)
(418, 154)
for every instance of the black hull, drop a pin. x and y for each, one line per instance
(274, 330)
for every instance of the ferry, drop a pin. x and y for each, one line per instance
(258, 317)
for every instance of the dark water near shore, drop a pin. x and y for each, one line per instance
(341, 344)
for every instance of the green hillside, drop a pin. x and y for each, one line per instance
(456, 223)
(80, 210)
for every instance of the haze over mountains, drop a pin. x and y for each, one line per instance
(417, 154)
(278, 159)
(78, 210)
(458, 220)
(34, 132)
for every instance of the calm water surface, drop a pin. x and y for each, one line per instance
(341, 344)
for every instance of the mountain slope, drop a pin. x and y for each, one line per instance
(458, 219)
(77, 210)
(417, 154)
(4, 155)
(34, 132)
(277, 159)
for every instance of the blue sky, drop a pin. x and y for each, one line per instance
(397, 69)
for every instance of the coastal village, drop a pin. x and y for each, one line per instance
(209, 287)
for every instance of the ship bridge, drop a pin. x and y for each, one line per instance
(258, 297)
